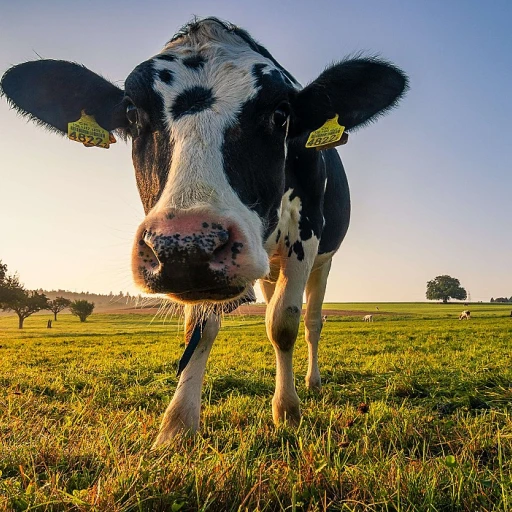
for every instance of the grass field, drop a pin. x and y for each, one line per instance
(415, 414)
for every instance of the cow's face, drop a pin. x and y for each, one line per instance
(210, 119)
(209, 147)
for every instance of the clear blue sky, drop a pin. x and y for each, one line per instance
(431, 183)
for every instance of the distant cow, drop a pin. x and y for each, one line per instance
(465, 315)
(237, 181)
(368, 318)
(324, 319)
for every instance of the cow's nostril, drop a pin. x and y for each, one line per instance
(147, 256)
(222, 239)
(223, 236)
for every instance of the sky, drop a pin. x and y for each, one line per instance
(431, 182)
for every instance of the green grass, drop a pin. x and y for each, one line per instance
(80, 405)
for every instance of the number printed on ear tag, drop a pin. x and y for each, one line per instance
(87, 131)
(327, 135)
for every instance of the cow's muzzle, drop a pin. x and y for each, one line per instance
(193, 257)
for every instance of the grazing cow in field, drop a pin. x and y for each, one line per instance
(465, 315)
(368, 318)
(237, 177)
(324, 319)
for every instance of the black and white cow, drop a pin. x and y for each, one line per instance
(230, 191)
(465, 315)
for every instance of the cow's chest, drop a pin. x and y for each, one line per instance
(285, 241)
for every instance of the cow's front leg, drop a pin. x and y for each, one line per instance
(282, 322)
(183, 412)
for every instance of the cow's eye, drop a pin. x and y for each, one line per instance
(281, 114)
(132, 114)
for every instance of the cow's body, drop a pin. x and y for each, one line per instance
(230, 191)
(465, 315)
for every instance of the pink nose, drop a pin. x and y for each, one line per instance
(189, 256)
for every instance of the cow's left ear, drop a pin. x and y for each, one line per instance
(357, 90)
(55, 92)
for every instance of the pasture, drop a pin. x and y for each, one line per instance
(415, 414)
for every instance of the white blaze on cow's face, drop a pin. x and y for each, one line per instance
(209, 129)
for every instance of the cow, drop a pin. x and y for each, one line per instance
(324, 319)
(465, 315)
(233, 189)
(368, 318)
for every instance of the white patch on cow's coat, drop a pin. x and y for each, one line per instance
(288, 223)
(196, 179)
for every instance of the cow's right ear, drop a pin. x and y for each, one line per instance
(55, 92)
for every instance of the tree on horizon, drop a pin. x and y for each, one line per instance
(57, 305)
(445, 288)
(82, 309)
(14, 297)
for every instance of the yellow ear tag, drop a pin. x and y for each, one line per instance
(327, 135)
(87, 131)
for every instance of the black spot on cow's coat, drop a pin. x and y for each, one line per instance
(278, 235)
(166, 76)
(298, 249)
(257, 71)
(192, 101)
(205, 224)
(141, 76)
(235, 249)
(166, 56)
(194, 61)
(265, 76)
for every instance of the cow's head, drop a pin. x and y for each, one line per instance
(210, 119)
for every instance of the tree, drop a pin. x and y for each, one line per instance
(14, 297)
(82, 309)
(10, 289)
(445, 288)
(57, 305)
(3, 272)
(23, 302)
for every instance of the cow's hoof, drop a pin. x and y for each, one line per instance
(286, 412)
(166, 436)
(176, 423)
(314, 384)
